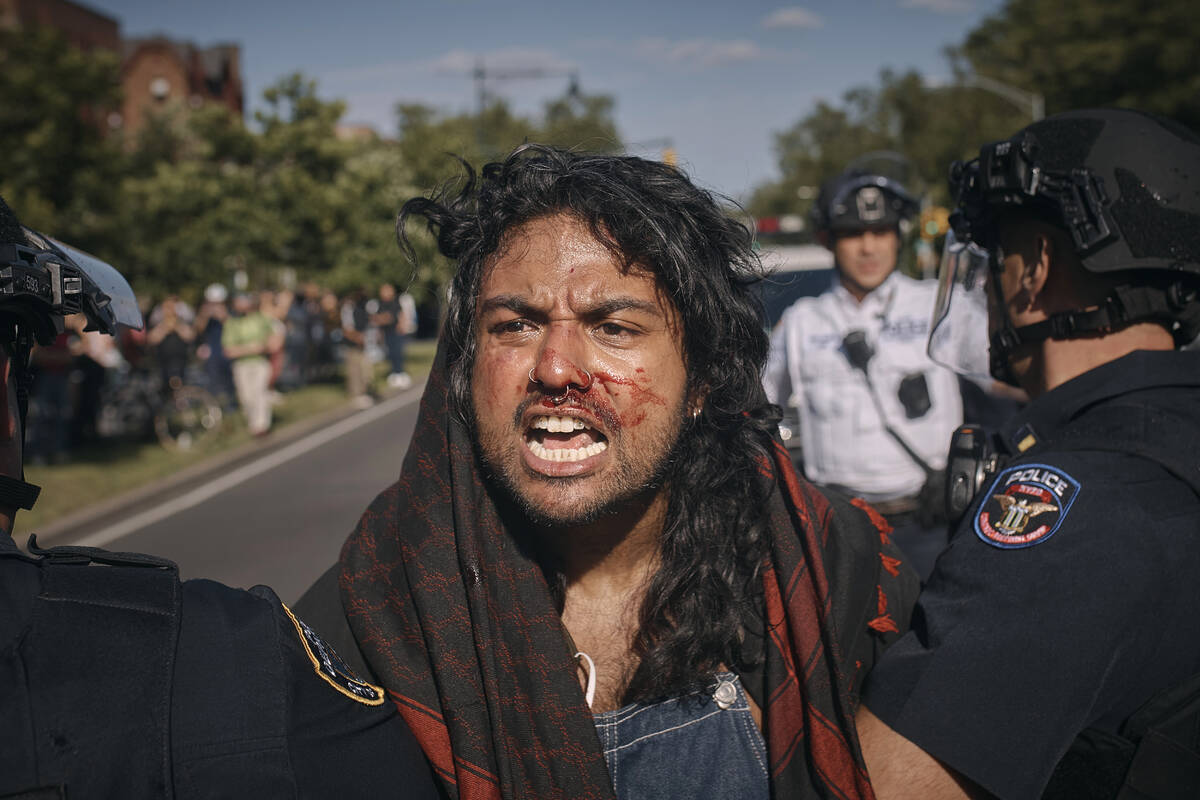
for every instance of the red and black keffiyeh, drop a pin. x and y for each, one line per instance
(458, 624)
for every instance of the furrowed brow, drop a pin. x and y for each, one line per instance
(613, 305)
(520, 305)
(515, 303)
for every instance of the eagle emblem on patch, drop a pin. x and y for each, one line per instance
(332, 669)
(1025, 505)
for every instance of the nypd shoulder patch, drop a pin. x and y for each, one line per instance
(332, 669)
(1025, 505)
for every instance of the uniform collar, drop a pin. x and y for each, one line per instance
(7, 545)
(1141, 369)
(876, 301)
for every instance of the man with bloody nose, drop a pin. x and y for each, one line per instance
(599, 575)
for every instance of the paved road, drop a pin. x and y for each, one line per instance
(278, 519)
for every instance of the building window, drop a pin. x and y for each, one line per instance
(160, 87)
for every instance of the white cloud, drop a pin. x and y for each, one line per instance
(511, 59)
(700, 52)
(938, 6)
(794, 17)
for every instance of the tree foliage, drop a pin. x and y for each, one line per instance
(57, 163)
(430, 146)
(914, 129)
(1076, 53)
(432, 142)
(1086, 53)
(197, 196)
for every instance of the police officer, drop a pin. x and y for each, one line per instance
(118, 680)
(875, 413)
(1054, 650)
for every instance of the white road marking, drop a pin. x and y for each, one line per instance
(105, 536)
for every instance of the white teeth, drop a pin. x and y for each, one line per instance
(559, 424)
(565, 453)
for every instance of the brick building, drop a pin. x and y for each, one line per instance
(81, 26)
(159, 71)
(155, 71)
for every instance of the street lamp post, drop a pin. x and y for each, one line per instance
(1031, 101)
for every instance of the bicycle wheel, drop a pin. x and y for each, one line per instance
(189, 415)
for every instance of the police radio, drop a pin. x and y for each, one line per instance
(973, 459)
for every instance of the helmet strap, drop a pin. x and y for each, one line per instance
(17, 492)
(1175, 307)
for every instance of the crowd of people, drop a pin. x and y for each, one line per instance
(246, 349)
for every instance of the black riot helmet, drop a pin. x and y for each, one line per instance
(857, 200)
(42, 281)
(1123, 184)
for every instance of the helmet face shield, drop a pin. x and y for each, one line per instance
(44, 281)
(958, 333)
(121, 307)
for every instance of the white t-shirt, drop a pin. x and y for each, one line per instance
(845, 441)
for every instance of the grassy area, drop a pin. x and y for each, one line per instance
(103, 471)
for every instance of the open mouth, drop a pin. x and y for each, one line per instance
(564, 439)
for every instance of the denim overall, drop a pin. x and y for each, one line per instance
(697, 746)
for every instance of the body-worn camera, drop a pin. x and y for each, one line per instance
(973, 459)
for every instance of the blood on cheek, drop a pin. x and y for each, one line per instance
(639, 397)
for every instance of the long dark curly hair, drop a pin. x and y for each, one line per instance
(650, 215)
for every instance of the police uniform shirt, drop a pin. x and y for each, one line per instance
(248, 703)
(1068, 596)
(845, 442)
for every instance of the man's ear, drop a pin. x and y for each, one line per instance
(1035, 273)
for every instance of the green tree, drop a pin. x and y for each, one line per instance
(1081, 53)
(430, 141)
(1076, 53)
(208, 197)
(363, 240)
(430, 144)
(58, 165)
(926, 127)
(580, 121)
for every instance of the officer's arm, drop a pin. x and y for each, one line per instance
(900, 770)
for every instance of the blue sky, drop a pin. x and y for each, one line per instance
(717, 79)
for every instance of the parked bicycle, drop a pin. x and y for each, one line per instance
(135, 405)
